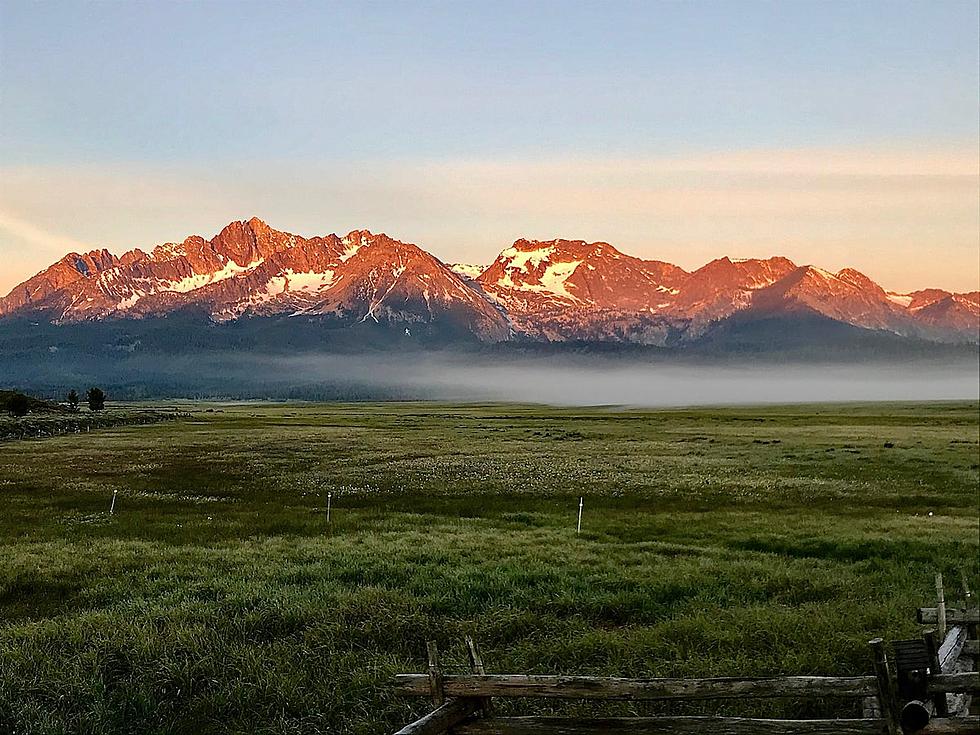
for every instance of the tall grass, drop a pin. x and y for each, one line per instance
(218, 600)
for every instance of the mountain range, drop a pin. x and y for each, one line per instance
(534, 291)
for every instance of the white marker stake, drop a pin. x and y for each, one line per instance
(581, 502)
(329, 497)
(112, 508)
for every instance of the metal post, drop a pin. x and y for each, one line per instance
(112, 507)
(581, 502)
(329, 498)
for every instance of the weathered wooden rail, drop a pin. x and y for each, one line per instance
(462, 695)
(933, 699)
(591, 687)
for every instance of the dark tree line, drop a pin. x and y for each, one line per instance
(20, 404)
(95, 397)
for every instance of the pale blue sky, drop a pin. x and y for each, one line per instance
(319, 100)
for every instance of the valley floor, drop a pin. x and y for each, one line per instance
(217, 599)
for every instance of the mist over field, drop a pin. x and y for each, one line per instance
(554, 379)
(602, 382)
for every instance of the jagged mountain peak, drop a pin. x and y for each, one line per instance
(90, 263)
(561, 249)
(559, 270)
(726, 264)
(559, 289)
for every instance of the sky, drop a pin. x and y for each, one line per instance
(842, 134)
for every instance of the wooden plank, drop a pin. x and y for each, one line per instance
(951, 648)
(941, 606)
(959, 704)
(968, 682)
(954, 616)
(667, 726)
(953, 662)
(870, 709)
(952, 726)
(439, 720)
(592, 687)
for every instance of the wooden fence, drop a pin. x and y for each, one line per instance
(933, 699)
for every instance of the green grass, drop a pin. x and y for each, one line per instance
(752, 541)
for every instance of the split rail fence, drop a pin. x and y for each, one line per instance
(923, 686)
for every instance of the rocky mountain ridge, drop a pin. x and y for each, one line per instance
(556, 291)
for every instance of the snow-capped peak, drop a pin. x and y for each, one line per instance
(521, 259)
(553, 290)
(827, 275)
(467, 270)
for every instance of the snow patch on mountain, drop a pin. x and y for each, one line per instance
(556, 275)
(353, 246)
(552, 281)
(827, 275)
(519, 259)
(140, 288)
(308, 281)
(970, 301)
(903, 300)
(199, 280)
(467, 270)
(130, 301)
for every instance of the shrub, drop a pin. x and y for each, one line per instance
(96, 399)
(19, 404)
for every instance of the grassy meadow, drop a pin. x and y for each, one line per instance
(217, 599)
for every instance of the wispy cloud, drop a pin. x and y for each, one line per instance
(26, 248)
(36, 237)
(874, 162)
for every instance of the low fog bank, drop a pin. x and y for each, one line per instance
(559, 380)
(585, 383)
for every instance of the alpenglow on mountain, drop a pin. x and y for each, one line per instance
(553, 291)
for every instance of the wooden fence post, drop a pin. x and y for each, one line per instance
(971, 628)
(941, 606)
(435, 674)
(935, 668)
(886, 688)
(476, 664)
